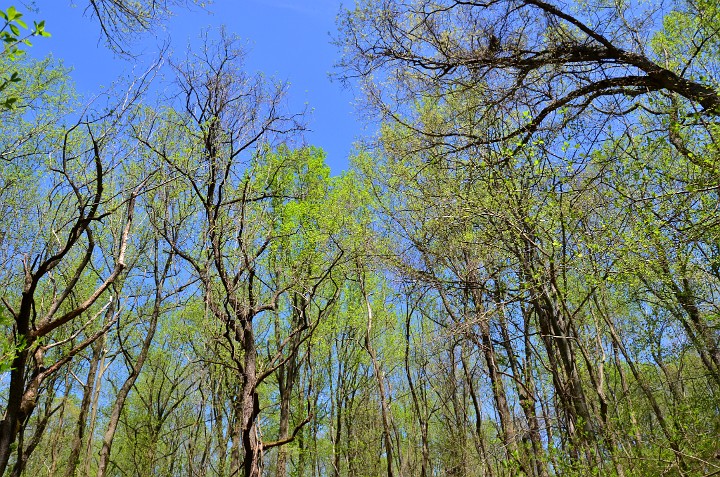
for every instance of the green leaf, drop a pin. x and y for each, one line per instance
(9, 103)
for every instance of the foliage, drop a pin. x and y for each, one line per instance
(518, 276)
(13, 40)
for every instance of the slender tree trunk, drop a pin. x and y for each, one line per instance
(557, 337)
(478, 435)
(525, 388)
(24, 452)
(94, 409)
(218, 424)
(250, 405)
(160, 275)
(287, 379)
(654, 405)
(88, 388)
(377, 371)
(626, 393)
(336, 413)
(57, 439)
(507, 425)
(420, 411)
(302, 448)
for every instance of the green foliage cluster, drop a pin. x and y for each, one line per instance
(13, 39)
(187, 290)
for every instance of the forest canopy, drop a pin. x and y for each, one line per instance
(517, 276)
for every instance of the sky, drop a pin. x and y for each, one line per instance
(289, 40)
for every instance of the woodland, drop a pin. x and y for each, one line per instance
(517, 275)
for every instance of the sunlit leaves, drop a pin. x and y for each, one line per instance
(13, 38)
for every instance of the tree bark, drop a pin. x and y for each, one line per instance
(250, 405)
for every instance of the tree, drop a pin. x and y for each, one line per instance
(60, 281)
(33, 322)
(518, 254)
(519, 277)
(538, 64)
(237, 222)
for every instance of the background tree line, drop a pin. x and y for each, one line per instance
(518, 275)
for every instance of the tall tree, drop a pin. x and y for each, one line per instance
(61, 282)
(242, 203)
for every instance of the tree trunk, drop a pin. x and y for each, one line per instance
(88, 388)
(420, 411)
(387, 436)
(250, 405)
(94, 410)
(525, 387)
(160, 275)
(16, 413)
(478, 434)
(507, 425)
(287, 379)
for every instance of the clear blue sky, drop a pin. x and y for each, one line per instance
(286, 39)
